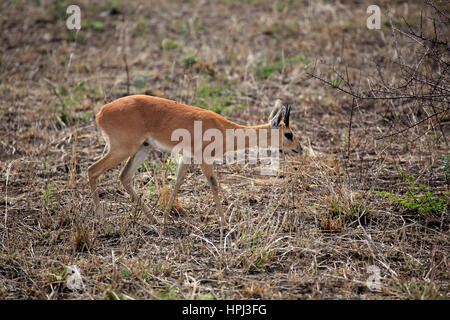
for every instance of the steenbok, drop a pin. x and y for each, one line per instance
(135, 124)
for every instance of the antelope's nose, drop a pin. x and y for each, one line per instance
(298, 150)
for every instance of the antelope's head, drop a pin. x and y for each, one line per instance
(279, 119)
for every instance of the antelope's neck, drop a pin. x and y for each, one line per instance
(254, 136)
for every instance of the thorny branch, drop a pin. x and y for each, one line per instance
(423, 71)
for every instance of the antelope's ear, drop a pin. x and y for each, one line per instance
(275, 122)
(275, 115)
(275, 109)
(286, 115)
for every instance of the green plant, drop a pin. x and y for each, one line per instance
(116, 4)
(169, 44)
(126, 272)
(421, 291)
(336, 83)
(168, 293)
(58, 8)
(286, 4)
(346, 208)
(56, 276)
(44, 162)
(208, 296)
(151, 190)
(139, 81)
(144, 166)
(47, 196)
(111, 295)
(171, 165)
(258, 251)
(142, 26)
(188, 60)
(419, 199)
(146, 276)
(264, 71)
(62, 112)
(418, 265)
(83, 116)
(215, 98)
(92, 24)
(158, 267)
(260, 259)
(69, 99)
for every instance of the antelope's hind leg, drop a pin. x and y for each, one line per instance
(128, 172)
(111, 159)
(181, 175)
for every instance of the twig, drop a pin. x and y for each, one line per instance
(424, 97)
(414, 125)
(126, 70)
(124, 52)
(350, 130)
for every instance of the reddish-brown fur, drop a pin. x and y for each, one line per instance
(132, 123)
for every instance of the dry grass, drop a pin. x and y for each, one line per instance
(309, 233)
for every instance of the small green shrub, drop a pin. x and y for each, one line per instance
(144, 166)
(419, 199)
(47, 196)
(139, 81)
(142, 26)
(349, 209)
(264, 71)
(337, 82)
(169, 293)
(68, 99)
(151, 190)
(208, 296)
(188, 60)
(215, 98)
(171, 165)
(169, 44)
(58, 8)
(126, 272)
(92, 24)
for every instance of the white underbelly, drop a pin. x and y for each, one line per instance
(158, 145)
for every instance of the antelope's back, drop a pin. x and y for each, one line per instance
(154, 114)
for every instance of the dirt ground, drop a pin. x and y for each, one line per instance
(338, 222)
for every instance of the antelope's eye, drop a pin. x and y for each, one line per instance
(288, 135)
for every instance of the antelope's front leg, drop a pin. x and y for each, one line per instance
(208, 171)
